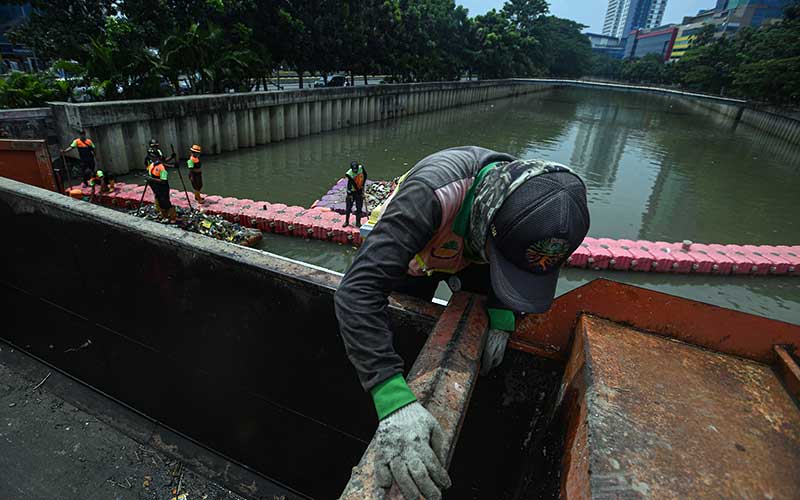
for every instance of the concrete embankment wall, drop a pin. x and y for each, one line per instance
(783, 126)
(232, 346)
(228, 122)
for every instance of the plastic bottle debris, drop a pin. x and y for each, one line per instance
(213, 226)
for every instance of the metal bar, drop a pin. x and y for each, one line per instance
(443, 377)
(788, 371)
(724, 330)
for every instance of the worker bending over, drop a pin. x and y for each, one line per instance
(356, 181)
(85, 148)
(195, 172)
(105, 181)
(516, 221)
(157, 178)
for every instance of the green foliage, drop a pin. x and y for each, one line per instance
(605, 67)
(149, 48)
(759, 64)
(567, 52)
(28, 90)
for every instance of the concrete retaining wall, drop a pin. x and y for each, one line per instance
(32, 123)
(228, 122)
(234, 347)
(784, 126)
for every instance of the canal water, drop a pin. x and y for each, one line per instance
(655, 170)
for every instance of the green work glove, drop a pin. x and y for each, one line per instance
(411, 452)
(494, 351)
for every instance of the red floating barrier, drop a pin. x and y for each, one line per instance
(778, 264)
(741, 265)
(269, 216)
(792, 255)
(688, 255)
(302, 224)
(758, 263)
(722, 262)
(682, 258)
(642, 258)
(242, 214)
(621, 258)
(580, 257)
(600, 257)
(284, 219)
(321, 223)
(212, 199)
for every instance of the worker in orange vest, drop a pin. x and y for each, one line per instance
(157, 178)
(356, 180)
(85, 148)
(195, 172)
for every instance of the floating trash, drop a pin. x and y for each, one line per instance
(195, 221)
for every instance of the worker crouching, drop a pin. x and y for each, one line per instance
(195, 172)
(157, 178)
(105, 181)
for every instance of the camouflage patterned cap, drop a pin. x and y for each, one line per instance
(531, 215)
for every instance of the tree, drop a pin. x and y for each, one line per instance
(60, 29)
(603, 66)
(567, 52)
(26, 90)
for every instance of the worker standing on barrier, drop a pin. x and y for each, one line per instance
(356, 181)
(157, 178)
(516, 221)
(85, 148)
(195, 172)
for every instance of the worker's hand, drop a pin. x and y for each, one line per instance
(411, 452)
(494, 351)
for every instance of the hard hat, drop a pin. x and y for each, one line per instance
(196, 149)
(153, 142)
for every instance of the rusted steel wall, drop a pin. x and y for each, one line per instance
(443, 377)
(654, 418)
(28, 162)
(708, 326)
(788, 370)
(234, 347)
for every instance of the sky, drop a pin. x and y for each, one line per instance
(592, 12)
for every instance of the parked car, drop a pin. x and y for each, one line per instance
(334, 81)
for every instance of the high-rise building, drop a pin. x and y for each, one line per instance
(624, 16)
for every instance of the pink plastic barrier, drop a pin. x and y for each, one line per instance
(642, 259)
(322, 223)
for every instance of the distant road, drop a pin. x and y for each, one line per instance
(309, 83)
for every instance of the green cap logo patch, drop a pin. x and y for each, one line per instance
(544, 255)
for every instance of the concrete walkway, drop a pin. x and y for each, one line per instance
(61, 440)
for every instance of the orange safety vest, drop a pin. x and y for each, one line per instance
(155, 170)
(196, 162)
(357, 177)
(83, 144)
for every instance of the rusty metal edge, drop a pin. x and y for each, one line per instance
(41, 157)
(443, 377)
(712, 327)
(572, 406)
(788, 371)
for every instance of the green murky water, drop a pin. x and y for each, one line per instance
(654, 171)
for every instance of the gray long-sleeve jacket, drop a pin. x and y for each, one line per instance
(408, 223)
